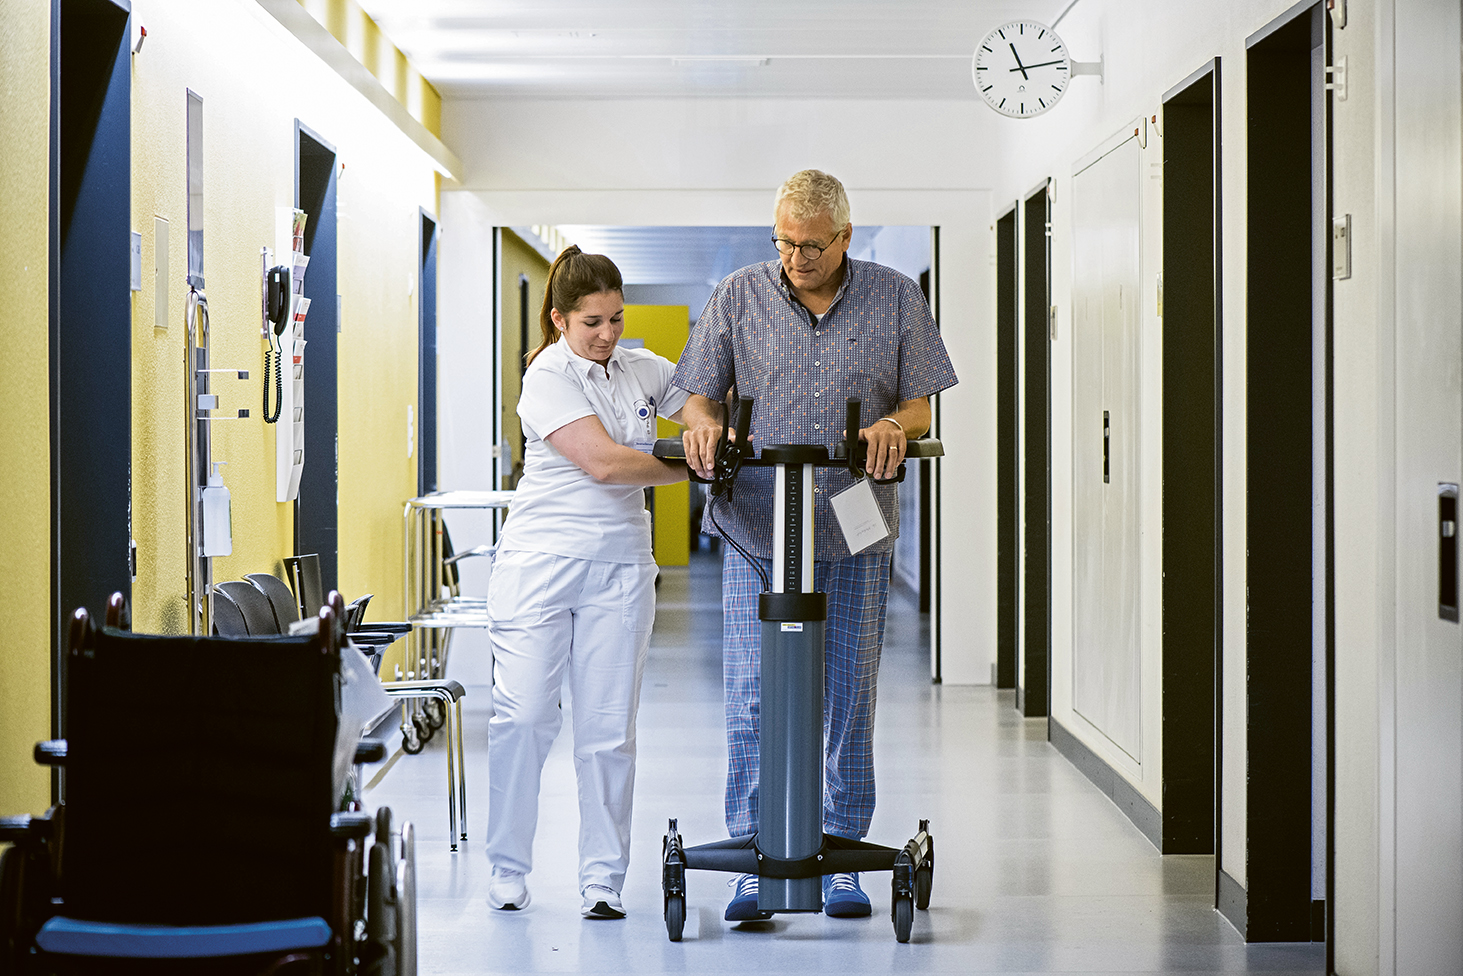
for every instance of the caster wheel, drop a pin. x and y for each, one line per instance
(424, 727)
(675, 916)
(435, 712)
(903, 918)
(412, 744)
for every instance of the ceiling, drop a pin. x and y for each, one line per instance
(896, 49)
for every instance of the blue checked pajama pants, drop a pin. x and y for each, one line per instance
(857, 589)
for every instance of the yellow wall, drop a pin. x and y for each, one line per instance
(518, 258)
(665, 329)
(25, 480)
(222, 51)
(358, 33)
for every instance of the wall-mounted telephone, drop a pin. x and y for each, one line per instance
(277, 313)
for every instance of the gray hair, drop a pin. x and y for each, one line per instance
(811, 194)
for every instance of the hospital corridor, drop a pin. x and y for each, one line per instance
(729, 486)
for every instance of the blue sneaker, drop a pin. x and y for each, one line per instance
(743, 906)
(843, 898)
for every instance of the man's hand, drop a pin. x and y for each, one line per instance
(700, 443)
(703, 432)
(886, 449)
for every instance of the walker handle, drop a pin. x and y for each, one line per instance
(851, 428)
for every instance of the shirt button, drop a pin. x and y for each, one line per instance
(815, 394)
(817, 426)
(816, 489)
(817, 364)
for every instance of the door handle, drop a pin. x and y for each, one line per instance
(1106, 444)
(1448, 552)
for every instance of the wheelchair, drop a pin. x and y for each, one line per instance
(201, 829)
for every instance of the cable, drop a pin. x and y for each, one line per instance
(751, 560)
(278, 348)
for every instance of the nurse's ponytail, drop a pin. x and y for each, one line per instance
(573, 276)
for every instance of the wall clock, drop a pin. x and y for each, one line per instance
(1022, 69)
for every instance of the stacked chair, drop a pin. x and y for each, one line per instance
(202, 828)
(427, 702)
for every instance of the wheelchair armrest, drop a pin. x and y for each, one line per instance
(52, 752)
(370, 751)
(13, 830)
(351, 825)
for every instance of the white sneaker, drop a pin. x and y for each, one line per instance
(508, 890)
(602, 902)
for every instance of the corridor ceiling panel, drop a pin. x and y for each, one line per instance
(896, 49)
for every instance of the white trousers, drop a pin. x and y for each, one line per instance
(552, 617)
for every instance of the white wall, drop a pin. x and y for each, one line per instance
(717, 162)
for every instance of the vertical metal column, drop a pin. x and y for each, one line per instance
(790, 814)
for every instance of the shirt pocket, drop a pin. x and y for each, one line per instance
(872, 362)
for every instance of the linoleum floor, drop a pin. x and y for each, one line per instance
(1036, 870)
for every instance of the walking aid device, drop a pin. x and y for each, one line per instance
(790, 852)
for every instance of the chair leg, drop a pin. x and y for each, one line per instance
(455, 709)
(452, 773)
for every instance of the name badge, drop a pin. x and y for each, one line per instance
(645, 425)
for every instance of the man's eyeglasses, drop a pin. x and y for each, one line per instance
(810, 251)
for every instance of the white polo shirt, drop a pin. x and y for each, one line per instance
(558, 508)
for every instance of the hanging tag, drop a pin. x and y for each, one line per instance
(857, 511)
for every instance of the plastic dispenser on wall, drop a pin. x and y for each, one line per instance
(289, 438)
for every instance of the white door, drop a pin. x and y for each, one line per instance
(1429, 446)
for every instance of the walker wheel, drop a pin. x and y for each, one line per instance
(903, 917)
(675, 916)
(923, 881)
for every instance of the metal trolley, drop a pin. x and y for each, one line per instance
(434, 605)
(791, 853)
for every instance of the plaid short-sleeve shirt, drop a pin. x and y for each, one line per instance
(877, 342)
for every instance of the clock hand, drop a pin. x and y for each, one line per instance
(1044, 64)
(1019, 66)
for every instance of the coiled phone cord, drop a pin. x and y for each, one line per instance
(278, 347)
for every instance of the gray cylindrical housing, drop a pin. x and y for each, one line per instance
(790, 722)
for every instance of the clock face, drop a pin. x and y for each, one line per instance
(1021, 69)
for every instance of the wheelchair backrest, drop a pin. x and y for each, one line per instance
(198, 782)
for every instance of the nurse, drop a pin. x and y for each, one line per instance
(572, 597)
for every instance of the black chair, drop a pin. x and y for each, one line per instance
(201, 830)
(254, 605)
(304, 577)
(228, 618)
(281, 600)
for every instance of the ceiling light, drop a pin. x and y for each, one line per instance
(731, 59)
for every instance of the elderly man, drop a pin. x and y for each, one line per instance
(802, 336)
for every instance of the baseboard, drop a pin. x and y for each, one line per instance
(1137, 809)
(1233, 903)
